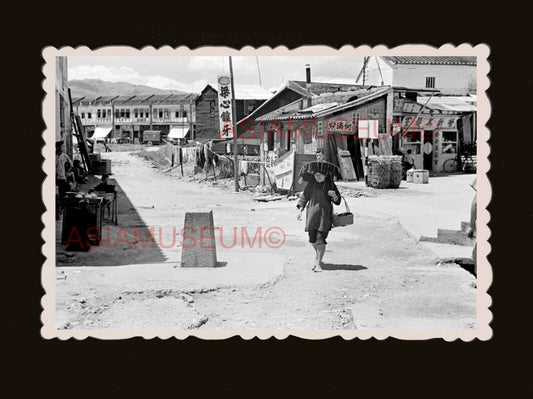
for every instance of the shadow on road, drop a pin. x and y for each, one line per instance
(342, 266)
(123, 244)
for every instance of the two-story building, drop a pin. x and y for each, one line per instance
(63, 124)
(126, 117)
(450, 75)
(247, 99)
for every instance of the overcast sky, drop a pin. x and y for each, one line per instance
(192, 74)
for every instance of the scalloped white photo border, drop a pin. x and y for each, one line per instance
(483, 331)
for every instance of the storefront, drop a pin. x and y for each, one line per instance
(431, 140)
(434, 129)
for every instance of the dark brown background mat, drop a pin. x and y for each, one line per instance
(377, 368)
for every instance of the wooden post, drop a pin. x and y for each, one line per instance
(189, 117)
(112, 117)
(151, 115)
(181, 161)
(234, 112)
(261, 159)
(365, 163)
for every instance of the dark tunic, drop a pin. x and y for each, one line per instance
(316, 200)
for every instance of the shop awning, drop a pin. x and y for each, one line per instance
(455, 104)
(178, 132)
(101, 132)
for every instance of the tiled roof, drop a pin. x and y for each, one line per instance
(136, 100)
(437, 60)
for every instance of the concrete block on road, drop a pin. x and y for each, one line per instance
(199, 245)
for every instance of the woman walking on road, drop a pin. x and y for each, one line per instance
(317, 198)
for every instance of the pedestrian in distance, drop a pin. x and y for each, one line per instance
(409, 160)
(62, 160)
(317, 199)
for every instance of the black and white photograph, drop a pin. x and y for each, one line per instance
(262, 192)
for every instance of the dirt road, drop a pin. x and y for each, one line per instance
(376, 274)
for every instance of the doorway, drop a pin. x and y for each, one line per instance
(427, 149)
(355, 154)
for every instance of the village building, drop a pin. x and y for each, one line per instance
(247, 99)
(127, 117)
(63, 122)
(294, 90)
(435, 128)
(330, 123)
(451, 76)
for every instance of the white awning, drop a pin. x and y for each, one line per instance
(178, 132)
(101, 132)
(456, 104)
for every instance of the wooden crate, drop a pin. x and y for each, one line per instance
(102, 167)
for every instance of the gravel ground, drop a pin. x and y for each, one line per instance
(372, 267)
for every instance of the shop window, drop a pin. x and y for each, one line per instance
(430, 82)
(412, 136)
(449, 142)
(411, 140)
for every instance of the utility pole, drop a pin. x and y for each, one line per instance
(234, 117)
(189, 116)
(363, 71)
(258, 71)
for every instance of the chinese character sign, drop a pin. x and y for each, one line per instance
(225, 111)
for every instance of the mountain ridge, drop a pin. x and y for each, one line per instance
(97, 87)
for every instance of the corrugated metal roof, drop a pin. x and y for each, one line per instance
(318, 107)
(436, 60)
(318, 89)
(293, 111)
